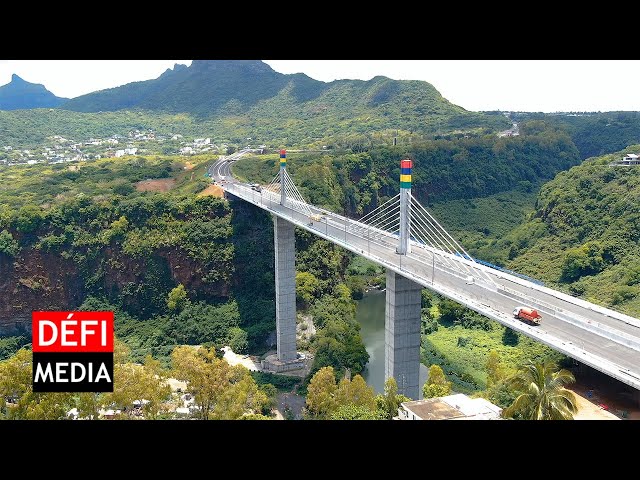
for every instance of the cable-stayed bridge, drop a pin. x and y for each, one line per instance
(402, 236)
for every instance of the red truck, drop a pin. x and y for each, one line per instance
(527, 314)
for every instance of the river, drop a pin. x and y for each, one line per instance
(370, 316)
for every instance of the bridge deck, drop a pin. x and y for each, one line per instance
(599, 337)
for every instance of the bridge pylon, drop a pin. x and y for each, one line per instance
(404, 246)
(285, 276)
(283, 166)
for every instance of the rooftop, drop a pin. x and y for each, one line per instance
(452, 407)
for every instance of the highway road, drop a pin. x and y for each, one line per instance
(599, 337)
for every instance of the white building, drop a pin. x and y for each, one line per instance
(631, 159)
(452, 407)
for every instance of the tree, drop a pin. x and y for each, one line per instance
(88, 405)
(220, 391)
(143, 385)
(356, 412)
(437, 385)
(450, 311)
(307, 286)
(321, 402)
(28, 219)
(18, 398)
(356, 285)
(543, 394)
(8, 245)
(586, 259)
(177, 299)
(238, 340)
(241, 397)
(495, 370)
(391, 400)
(355, 392)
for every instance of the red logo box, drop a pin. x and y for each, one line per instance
(72, 351)
(72, 331)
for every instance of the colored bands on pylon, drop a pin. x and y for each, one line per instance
(405, 173)
(283, 158)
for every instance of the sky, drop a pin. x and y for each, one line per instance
(520, 85)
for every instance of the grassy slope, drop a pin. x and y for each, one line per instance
(478, 222)
(465, 364)
(43, 184)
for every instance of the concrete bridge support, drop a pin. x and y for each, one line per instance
(285, 250)
(402, 333)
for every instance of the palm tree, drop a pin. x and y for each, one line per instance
(543, 394)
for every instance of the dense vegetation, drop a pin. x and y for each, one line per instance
(463, 168)
(460, 340)
(86, 237)
(255, 99)
(583, 235)
(594, 133)
(350, 399)
(31, 128)
(218, 390)
(321, 291)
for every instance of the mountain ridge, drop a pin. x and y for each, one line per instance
(252, 96)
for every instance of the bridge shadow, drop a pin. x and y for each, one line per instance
(253, 281)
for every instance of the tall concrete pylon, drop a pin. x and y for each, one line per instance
(285, 270)
(402, 333)
(404, 246)
(283, 165)
(402, 310)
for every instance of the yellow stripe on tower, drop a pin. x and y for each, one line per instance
(405, 178)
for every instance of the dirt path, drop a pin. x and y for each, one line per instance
(213, 190)
(591, 411)
(157, 185)
(598, 389)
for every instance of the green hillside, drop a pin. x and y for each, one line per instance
(594, 133)
(584, 236)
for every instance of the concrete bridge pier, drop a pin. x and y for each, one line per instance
(285, 273)
(402, 333)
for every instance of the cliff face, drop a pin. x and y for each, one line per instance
(35, 280)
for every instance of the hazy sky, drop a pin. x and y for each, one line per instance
(526, 85)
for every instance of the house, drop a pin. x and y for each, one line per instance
(631, 159)
(452, 407)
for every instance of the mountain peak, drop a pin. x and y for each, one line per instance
(20, 94)
(255, 66)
